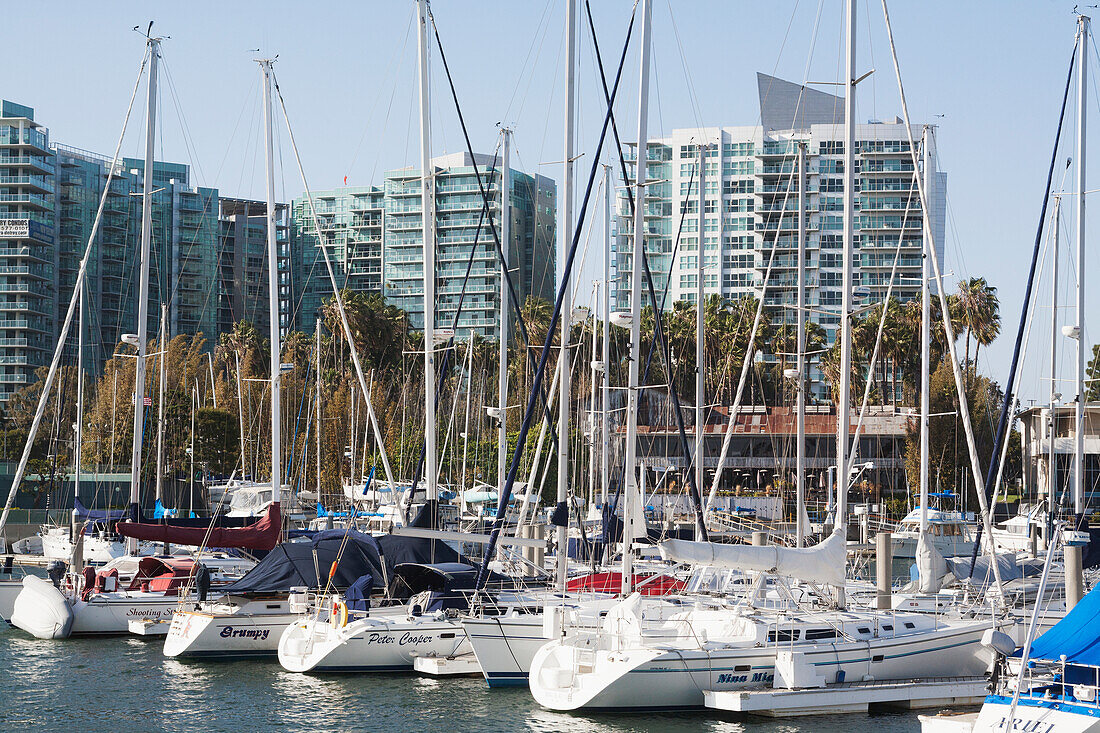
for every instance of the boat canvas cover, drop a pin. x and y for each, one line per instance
(822, 563)
(295, 564)
(399, 550)
(1077, 635)
(262, 534)
(84, 514)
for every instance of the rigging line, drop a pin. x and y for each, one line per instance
(555, 316)
(389, 74)
(512, 294)
(1009, 394)
(692, 94)
(543, 28)
(78, 285)
(639, 253)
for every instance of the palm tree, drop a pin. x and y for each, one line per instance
(980, 313)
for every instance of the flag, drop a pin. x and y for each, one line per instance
(345, 180)
(148, 401)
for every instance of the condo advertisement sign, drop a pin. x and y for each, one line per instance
(24, 228)
(15, 228)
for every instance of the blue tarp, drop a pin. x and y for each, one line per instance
(1077, 635)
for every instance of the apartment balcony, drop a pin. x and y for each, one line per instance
(885, 167)
(16, 378)
(29, 200)
(43, 165)
(41, 184)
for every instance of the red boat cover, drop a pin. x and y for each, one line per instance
(263, 534)
(647, 585)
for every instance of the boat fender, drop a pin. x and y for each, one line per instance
(338, 617)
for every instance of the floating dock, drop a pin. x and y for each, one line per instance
(852, 697)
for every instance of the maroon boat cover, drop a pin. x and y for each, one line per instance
(263, 534)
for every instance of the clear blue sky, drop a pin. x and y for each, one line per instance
(994, 70)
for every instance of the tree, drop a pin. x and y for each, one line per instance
(217, 440)
(980, 312)
(1092, 376)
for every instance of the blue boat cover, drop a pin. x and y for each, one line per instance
(1077, 635)
(358, 593)
(85, 514)
(308, 564)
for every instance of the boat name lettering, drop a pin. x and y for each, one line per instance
(146, 613)
(730, 679)
(411, 638)
(377, 638)
(230, 632)
(1026, 726)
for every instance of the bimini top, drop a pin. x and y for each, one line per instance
(1077, 635)
(294, 564)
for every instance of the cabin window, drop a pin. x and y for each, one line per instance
(876, 658)
(783, 635)
(863, 630)
(910, 625)
(742, 668)
(816, 634)
(887, 627)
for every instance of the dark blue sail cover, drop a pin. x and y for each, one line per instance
(293, 564)
(400, 549)
(1077, 635)
(85, 514)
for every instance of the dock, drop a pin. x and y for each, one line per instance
(463, 665)
(852, 697)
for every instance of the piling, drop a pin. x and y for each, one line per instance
(1075, 579)
(884, 562)
(760, 538)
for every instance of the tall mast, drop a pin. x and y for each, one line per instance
(630, 493)
(506, 244)
(800, 357)
(143, 286)
(273, 296)
(427, 209)
(160, 399)
(700, 351)
(565, 234)
(843, 416)
(317, 409)
(1079, 431)
(605, 416)
(79, 392)
(925, 345)
(240, 411)
(1053, 467)
(596, 367)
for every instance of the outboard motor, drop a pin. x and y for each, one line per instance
(55, 571)
(202, 582)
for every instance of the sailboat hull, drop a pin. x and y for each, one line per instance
(568, 676)
(245, 633)
(378, 643)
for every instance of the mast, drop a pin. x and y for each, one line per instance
(79, 392)
(630, 490)
(925, 347)
(143, 288)
(506, 244)
(1052, 487)
(427, 209)
(240, 410)
(565, 233)
(700, 351)
(194, 402)
(273, 296)
(1079, 430)
(605, 416)
(843, 414)
(595, 370)
(800, 357)
(317, 409)
(160, 398)
(466, 429)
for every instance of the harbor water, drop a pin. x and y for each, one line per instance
(124, 684)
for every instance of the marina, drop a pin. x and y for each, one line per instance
(689, 430)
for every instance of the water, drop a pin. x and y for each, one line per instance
(125, 684)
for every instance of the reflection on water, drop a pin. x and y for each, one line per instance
(126, 685)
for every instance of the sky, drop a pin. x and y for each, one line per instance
(989, 74)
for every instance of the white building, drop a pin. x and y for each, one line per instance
(750, 207)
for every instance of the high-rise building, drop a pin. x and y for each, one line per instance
(242, 287)
(750, 200)
(28, 253)
(374, 239)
